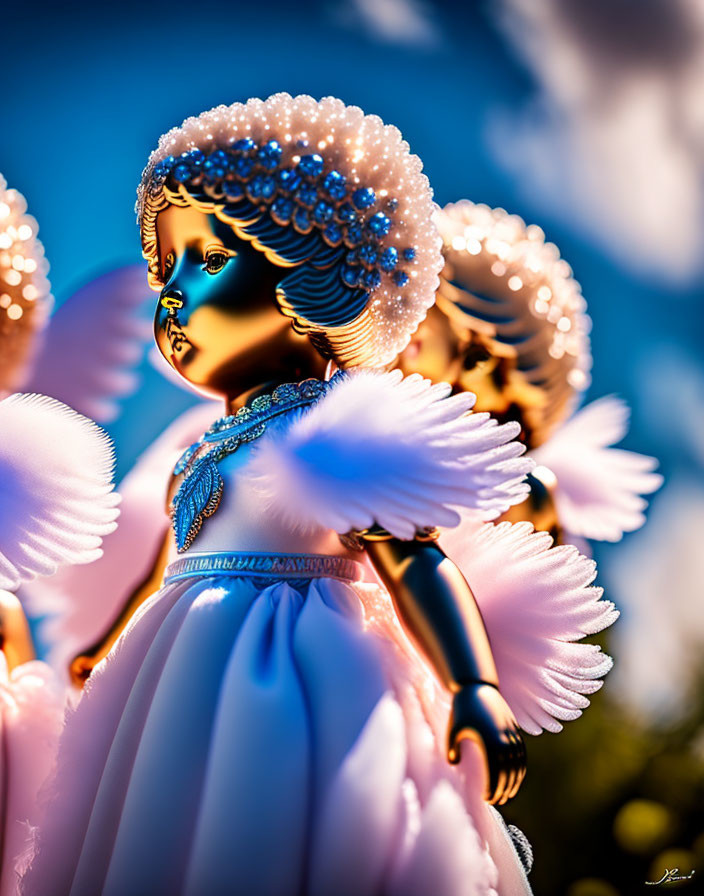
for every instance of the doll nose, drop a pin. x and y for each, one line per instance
(172, 299)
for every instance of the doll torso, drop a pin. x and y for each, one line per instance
(244, 521)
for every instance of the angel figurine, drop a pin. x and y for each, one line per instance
(56, 504)
(266, 723)
(510, 325)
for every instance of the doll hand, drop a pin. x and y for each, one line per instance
(481, 714)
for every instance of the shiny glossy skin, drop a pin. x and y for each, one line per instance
(217, 321)
(444, 622)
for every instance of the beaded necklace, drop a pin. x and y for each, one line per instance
(200, 492)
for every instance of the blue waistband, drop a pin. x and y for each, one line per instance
(269, 566)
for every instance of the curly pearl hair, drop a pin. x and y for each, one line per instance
(368, 154)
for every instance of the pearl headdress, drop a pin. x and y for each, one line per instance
(516, 289)
(25, 299)
(320, 169)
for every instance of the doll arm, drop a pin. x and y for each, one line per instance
(83, 664)
(437, 609)
(599, 489)
(15, 638)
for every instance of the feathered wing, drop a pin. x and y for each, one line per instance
(80, 602)
(536, 600)
(599, 488)
(56, 498)
(399, 453)
(93, 343)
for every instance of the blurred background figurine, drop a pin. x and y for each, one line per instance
(510, 325)
(56, 504)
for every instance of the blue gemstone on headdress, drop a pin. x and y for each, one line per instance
(186, 159)
(364, 197)
(244, 145)
(353, 235)
(311, 165)
(400, 278)
(389, 259)
(368, 254)
(210, 170)
(168, 162)
(346, 213)
(350, 275)
(243, 167)
(352, 257)
(409, 254)
(323, 212)
(261, 187)
(219, 158)
(335, 184)
(282, 209)
(371, 278)
(288, 179)
(195, 156)
(269, 155)
(307, 195)
(182, 172)
(333, 234)
(301, 220)
(379, 224)
(232, 189)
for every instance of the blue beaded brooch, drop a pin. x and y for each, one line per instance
(199, 494)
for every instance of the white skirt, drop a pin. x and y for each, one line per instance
(256, 730)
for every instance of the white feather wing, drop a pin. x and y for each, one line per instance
(56, 498)
(599, 488)
(536, 600)
(93, 344)
(399, 453)
(80, 602)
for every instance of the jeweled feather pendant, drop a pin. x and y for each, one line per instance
(197, 498)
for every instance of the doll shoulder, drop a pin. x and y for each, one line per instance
(378, 449)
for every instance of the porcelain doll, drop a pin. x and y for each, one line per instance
(510, 325)
(257, 727)
(536, 601)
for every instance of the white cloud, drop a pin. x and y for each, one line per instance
(615, 139)
(673, 382)
(393, 21)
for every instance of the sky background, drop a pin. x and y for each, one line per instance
(583, 117)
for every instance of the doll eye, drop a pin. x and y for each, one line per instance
(215, 261)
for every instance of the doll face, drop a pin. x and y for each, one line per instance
(443, 349)
(217, 322)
